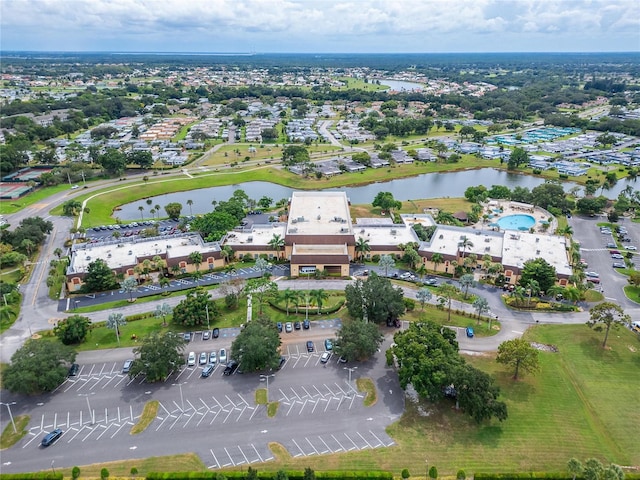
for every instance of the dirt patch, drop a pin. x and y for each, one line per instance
(544, 347)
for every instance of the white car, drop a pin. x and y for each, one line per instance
(191, 359)
(222, 357)
(213, 358)
(631, 247)
(203, 358)
(592, 274)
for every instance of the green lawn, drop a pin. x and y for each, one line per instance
(41, 194)
(632, 293)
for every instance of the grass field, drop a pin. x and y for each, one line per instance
(12, 206)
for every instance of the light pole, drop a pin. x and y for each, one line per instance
(306, 299)
(181, 397)
(351, 369)
(266, 378)
(8, 405)
(91, 412)
(427, 467)
(52, 467)
(206, 307)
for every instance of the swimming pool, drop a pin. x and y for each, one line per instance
(516, 222)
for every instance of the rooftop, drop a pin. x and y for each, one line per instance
(319, 213)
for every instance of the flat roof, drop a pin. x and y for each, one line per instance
(520, 247)
(299, 249)
(319, 213)
(445, 240)
(258, 234)
(386, 234)
(124, 253)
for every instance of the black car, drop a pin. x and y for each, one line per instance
(306, 324)
(208, 370)
(51, 437)
(231, 367)
(216, 332)
(310, 347)
(297, 325)
(73, 370)
(186, 337)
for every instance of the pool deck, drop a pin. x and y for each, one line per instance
(512, 208)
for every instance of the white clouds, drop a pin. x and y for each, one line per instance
(318, 25)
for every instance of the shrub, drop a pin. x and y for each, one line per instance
(461, 475)
(75, 472)
(405, 473)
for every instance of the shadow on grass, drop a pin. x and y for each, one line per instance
(592, 348)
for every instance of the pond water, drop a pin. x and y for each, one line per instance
(429, 185)
(402, 86)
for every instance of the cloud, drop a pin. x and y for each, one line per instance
(310, 25)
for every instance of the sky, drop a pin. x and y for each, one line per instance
(321, 26)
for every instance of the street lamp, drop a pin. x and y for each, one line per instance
(306, 299)
(266, 378)
(206, 307)
(8, 405)
(91, 412)
(351, 369)
(181, 397)
(427, 467)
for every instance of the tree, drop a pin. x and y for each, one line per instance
(287, 296)
(464, 243)
(277, 243)
(593, 469)
(37, 367)
(309, 474)
(385, 201)
(71, 208)
(574, 466)
(114, 321)
(519, 354)
(362, 247)
(386, 262)
(374, 299)
(318, 297)
(480, 305)
(607, 314)
(173, 210)
(541, 271)
(196, 259)
(437, 259)
(477, 395)
(99, 277)
(260, 290)
(190, 203)
(129, 285)
(72, 330)
(447, 292)
(192, 310)
(141, 208)
(113, 161)
(256, 346)
(424, 295)
(163, 311)
(140, 157)
(357, 340)
(433, 473)
(519, 156)
(467, 280)
(532, 287)
(158, 356)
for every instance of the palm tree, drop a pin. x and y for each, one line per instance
(424, 295)
(114, 321)
(386, 262)
(566, 231)
(447, 292)
(58, 252)
(288, 296)
(226, 253)
(467, 281)
(190, 202)
(129, 285)
(141, 208)
(196, 259)
(532, 287)
(163, 311)
(318, 297)
(153, 213)
(149, 201)
(481, 305)
(175, 269)
(160, 264)
(157, 209)
(362, 247)
(464, 244)
(277, 243)
(421, 270)
(437, 259)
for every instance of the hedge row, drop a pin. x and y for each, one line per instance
(541, 475)
(32, 476)
(314, 311)
(292, 475)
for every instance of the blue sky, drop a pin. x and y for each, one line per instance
(308, 26)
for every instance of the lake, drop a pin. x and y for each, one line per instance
(428, 185)
(402, 86)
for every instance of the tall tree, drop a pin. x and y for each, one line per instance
(72, 330)
(192, 310)
(466, 281)
(256, 346)
(480, 305)
(163, 311)
(196, 259)
(605, 315)
(447, 292)
(541, 271)
(190, 203)
(114, 321)
(357, 340)
(260, 290)
(362, 247)
(129, 285)
(99, 277)
(277, 243)
(477, 395)
(464, 243)
(386, 262)
(385, 201)
(159, 354)
(374, 299)
(519, 354)
(424, 295)
(318, 297)
(437, 259)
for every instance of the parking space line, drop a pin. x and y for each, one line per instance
(295, 393)
(305, 391)
(215, 416)
(341, 447)
(255, 410)
(241, 412)
(316, 404)
(233, 405)
(175, 421)
(355, 447)
(325, 444)
(365, 441)
(314, 448)
(284, 397)
(302, 407)
(380, 442)
(119, 428)
(228, 415)
(243, 400)
(290, 407)
(88, 434)
(343, 392)
(331, 394)
(75, 435)
(214, 458)
(215, 400)
(230, 459)
(246, 460)
(298, 446)
(256, 450)
(319, 392)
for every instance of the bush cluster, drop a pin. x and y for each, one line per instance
(292, 475)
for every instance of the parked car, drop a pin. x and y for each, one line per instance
(283, 360)
(619, 265)
(324, 358)
(617, 256)
(186, 337)
(328, 344)
(222, 356)
(288, 327)
(126, 368)
(594, 280)
(592, 274)
(431, 281)
(611, 245)
(470, 332)
(203, 358)
(73, 370)
(213, 358)
(306, 324)
(216, 332)
(279, 326)
(231, 367)
(191, 359)
(51, 437)
(206, 371)
(297, 325)
(206, 335)
(310, 347)
(631, 247)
